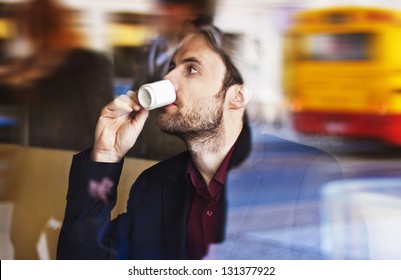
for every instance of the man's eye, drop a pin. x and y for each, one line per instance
(192, 70)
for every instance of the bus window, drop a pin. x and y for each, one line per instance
(336, 47)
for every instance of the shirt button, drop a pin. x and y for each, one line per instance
(209, 213)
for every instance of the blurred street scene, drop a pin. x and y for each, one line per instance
(329, 78)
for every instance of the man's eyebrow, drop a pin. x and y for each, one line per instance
(191, 59)
(186, 60)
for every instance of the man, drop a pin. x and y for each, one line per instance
(181, 206)
(175, 19)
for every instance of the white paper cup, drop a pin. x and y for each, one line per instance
(157, 94)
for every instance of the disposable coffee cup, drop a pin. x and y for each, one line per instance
(157, 94)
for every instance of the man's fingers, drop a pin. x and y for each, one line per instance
(141, 117)
(134, 96)
(127, 102)
(131, 94)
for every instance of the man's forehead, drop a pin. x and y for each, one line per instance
(193, 45)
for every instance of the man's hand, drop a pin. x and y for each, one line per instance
(118, 128)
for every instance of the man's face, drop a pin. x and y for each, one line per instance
(197, 73)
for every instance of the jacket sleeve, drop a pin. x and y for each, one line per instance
(85, 233)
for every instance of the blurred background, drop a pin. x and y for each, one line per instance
(324, 73)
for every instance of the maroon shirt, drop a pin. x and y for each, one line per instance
(207, 212)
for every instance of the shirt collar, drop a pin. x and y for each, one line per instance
(194, 175)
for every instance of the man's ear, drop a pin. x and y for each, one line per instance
(239, 96)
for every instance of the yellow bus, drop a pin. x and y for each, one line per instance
(342, 72)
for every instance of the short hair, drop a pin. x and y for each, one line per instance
(225, 48)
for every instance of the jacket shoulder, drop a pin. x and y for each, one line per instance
(173, 165)
(277, 144)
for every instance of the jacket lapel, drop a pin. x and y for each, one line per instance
(176, 200)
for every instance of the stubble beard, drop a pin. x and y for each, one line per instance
(201, 125)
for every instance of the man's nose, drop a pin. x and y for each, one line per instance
(171, 78)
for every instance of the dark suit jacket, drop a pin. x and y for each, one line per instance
(268, 173)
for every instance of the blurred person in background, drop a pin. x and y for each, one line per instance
(60, 83)
(173, 20)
